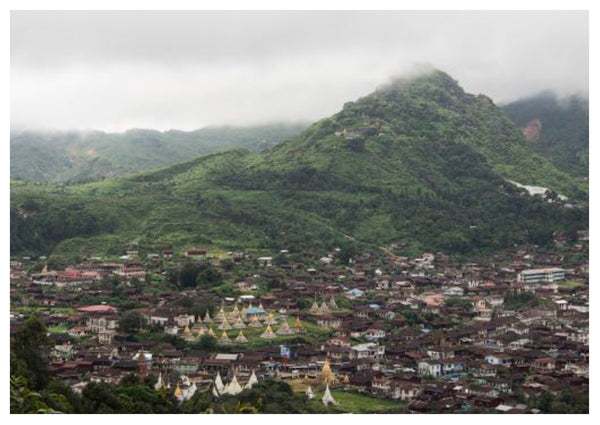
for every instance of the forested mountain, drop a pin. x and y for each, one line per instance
(75, 157)
(419, 161)
(556, 128)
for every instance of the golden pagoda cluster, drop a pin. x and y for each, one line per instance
(250, 317)
(324, 308)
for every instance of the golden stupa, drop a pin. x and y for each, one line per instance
(327, 377)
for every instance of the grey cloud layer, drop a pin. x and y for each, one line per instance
(116, 70)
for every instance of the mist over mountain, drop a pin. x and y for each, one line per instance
(419, 161)
(74, 157)
(556, 127)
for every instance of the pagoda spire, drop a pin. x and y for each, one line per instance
(219, 383)
(178, 393)
(142, 366)
(241, 338)
(224, 338)
(268, 333)
(309, 393)
(285, 329)
(253, 380)
(327, 397)
(327, 376)
(224, 324)
(160, 384)
(234, 386)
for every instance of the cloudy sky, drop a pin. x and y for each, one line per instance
(184, 70)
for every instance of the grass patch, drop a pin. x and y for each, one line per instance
(353, 402)
(572, 283)
(59, 329)
(26, 310)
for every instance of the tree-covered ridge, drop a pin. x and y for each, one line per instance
(563, 129)
(387, 137)
(419, 162)
(71, 157)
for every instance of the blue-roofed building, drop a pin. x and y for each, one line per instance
(254, 311)
(354, 293)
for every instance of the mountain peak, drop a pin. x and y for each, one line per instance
(421, 79)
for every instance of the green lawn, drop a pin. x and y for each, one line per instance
(41, 309)
(572, 283)
(352, 402)
(361, 403)
(59, 329)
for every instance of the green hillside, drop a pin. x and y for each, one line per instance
(419, 161)
(75, 157)
(563, 134)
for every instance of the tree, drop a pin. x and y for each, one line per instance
(206, 343)
(188, 274)
(24, 400)
(131, 321)
(29, 347)
(138, 285)
(227, 265)
(208, 275)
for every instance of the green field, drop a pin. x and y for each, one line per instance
(59, 329)
(572, 283)
(27, 310)
(353, 402)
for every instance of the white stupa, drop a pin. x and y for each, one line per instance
(309, 393)
(219, 383)
(159, 383)
(233, 387)
(253, 380)
(327, 397)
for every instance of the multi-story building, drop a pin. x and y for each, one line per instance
(541, 275)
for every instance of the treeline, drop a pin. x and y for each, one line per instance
(564, 134)
(36, 225)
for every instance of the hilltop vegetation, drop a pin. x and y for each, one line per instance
(74, 157)
(562, 129)
(419, 161)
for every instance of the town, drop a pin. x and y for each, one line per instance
(358, 331)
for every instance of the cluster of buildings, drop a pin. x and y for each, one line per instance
(434, 334)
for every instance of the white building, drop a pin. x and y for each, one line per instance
(369, 350)
(431, 368)
(553, 274)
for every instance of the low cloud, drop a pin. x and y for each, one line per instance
(185, 70)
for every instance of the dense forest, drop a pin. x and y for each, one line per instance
(73, 157)
(561, 128)
(419, 162)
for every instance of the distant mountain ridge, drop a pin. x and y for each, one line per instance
(75, 157)
(556, 128)
(419, 162)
